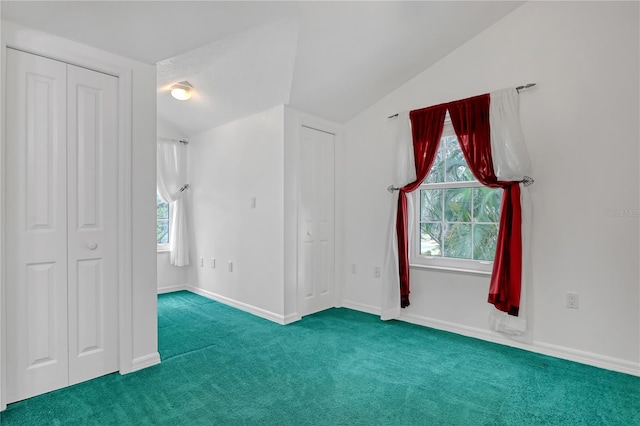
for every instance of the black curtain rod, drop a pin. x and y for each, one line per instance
(518, 89)
(526, 86)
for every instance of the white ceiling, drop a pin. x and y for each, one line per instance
(330, 59)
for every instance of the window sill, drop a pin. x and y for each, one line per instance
(451, 270)
(161, 249)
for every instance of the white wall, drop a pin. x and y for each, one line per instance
(228, 166)
(143, 168)
(2, 323)
(581, 125)
(256, 157)
(138, 80)
(170, 277)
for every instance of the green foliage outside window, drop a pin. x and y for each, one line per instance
(162, 217)
(460, 221)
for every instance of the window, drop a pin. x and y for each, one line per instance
(457, 216)
(162, 224)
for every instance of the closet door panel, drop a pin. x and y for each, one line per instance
(316, 222)
(92, 222)
(36, 226)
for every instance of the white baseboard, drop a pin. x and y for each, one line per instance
(601, 361)
(262, 313)
(356, 306)
(288, 319)
(595, 360)
(171, 289)
(144, 362)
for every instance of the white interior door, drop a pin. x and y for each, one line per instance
(92, 223)
(36, 226)
(316, 240)
(61, 202)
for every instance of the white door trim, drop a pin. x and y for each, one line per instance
(316, 220)
(322, 125)
(294, 121)
(56, 48)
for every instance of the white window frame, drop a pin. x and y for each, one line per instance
(164, 247)
(447, 264)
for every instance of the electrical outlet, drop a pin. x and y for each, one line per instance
(572, 300)
(353, 268)
(376, 272)
(201, 261)
(230, 266)
(253, 202)
(213, 263)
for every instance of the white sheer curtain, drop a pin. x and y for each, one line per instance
(171, 165)
(403, 173)
(511, 163)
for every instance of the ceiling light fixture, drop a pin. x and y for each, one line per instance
(181, 91)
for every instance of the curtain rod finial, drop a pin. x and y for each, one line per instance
(527, 181)
(526, 86)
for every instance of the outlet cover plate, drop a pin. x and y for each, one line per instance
(572, 300)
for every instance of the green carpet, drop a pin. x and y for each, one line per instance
(221, 366)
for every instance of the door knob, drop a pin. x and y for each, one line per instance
(309, 233)
(92, 245)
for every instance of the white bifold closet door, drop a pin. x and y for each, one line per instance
(61, 228)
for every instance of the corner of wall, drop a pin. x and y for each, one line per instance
(223, 190)
(290, 220)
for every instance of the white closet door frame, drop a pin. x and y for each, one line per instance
(55, 48)
(316, 220)
(294, 121)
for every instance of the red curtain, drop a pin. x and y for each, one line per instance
(470, 119)
(426, 129)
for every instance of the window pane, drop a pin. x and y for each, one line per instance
(436, 174)
(457, 205)
(162, 231)
(486, 204)
(457, 169)
(162, 221)
(162, 209)
(430, 237)
(459, 223)
(430, 205)
(457, 240)
(485, 238)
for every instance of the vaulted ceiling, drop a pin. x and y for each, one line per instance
(330, 59)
